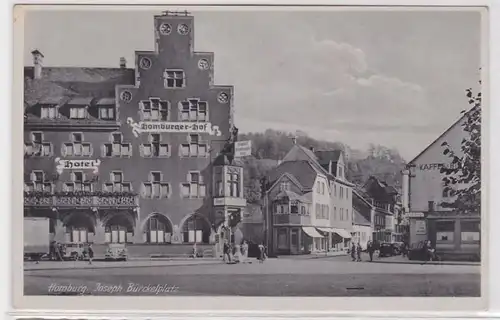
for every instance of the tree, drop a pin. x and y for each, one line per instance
(463, 176)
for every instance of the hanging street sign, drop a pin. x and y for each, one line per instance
(242, 148)
(175, 127)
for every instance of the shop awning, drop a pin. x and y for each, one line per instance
(326, 229)
(311, 231)
(343, 233)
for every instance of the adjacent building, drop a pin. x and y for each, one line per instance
(451, 231)
(307, 203)
(125, 154)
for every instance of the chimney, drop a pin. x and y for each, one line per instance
(311, 148)
(294, 140)
(123, 63)
(37, 64)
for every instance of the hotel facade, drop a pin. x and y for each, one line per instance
(133, 155)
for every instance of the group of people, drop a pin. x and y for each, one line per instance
(356, 251)
(239, 253)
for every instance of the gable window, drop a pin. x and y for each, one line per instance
(37, 182)
(76, 147)
(284, 185)
(117, 183)
(107, 113)
(194, 110)
(155, 148)
(78, 183)
(194, 148)
(78, 113)
(154, 110)
(341, 172)
(174, 78)
(155, 187)
(194, 188)
(117, 147)
(48, 112)
(233, 184)
(38, 147)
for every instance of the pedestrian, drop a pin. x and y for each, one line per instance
(358, 252)
(370, 248)
(262, 253)
(91, 253)
(353, 252)
(226, 255)
(195, 251)
(244, 251)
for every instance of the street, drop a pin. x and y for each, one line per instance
(335, 276)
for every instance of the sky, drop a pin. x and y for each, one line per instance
(395, 78)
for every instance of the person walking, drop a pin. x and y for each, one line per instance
(370, 248)
(353, 252)
(244, 251)
(358, 252)
(91, 253)
(226, 254)
(262, 253)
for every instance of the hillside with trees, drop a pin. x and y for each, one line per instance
(271, 146)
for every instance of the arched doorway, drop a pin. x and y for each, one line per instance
(196, 229)
(80, 227)
(158, 229)
(119, 229)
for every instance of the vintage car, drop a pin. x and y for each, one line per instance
(74, 251)
(387, 249)
(116, 252)
(418, 251)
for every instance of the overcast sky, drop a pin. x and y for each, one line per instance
(395, 78)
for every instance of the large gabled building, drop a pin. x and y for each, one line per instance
(124, 154)
(308, 203)
(451, 231)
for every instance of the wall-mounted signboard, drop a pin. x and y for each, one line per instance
(175, 127)
(420, 227)
(77, 165)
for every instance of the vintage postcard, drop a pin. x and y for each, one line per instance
(220, 155)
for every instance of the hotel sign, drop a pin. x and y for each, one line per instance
(175, 127)
(77, 165)
(242, 148)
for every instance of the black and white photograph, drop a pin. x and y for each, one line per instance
(255, 152)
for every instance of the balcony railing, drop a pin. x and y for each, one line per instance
(294, 219)
(83, 199)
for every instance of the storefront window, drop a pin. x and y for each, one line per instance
(470, 231)
(445, 231)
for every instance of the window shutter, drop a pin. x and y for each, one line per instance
(103, 150)
(141, 150)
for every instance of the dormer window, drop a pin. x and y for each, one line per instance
(78, 113)
(48, 112)
(78, 107)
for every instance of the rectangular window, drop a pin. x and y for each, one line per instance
(195, 188)
(117, 148)
(174, 79)
(194, 110)
(445, 231)
(37, 137)
(194, 148)
(233, 183)
(107, 113)
(154, 110)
